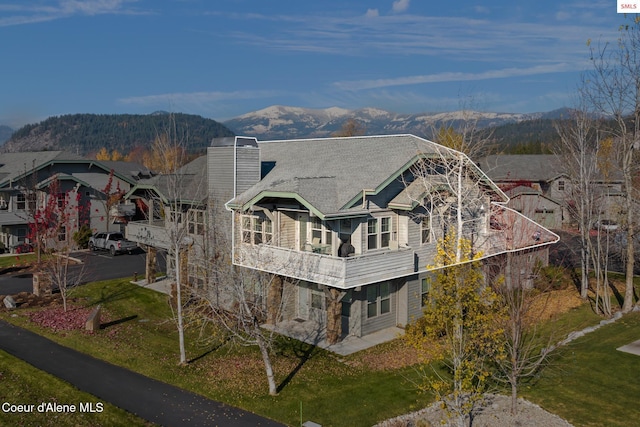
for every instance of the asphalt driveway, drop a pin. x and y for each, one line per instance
(95, 266)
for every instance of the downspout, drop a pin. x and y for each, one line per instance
(233, 212)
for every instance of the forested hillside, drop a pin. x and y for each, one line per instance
(5, 133)
(537, 136)
(86, 134)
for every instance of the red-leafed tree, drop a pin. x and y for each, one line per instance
(51, 226)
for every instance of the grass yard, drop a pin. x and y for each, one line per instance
(587, 381)
(332, 391)
(590, 383)
(7, 261)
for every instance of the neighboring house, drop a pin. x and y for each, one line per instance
(25, 180)
(318, 196)
(539, 187)
(344, 222)
(170, 209)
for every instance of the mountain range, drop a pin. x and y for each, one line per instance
(281, 122)
(86, 133)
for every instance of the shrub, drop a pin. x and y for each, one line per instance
(81, 237)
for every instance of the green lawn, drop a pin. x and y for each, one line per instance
(586, 382)
(7, 261)
(590, 383)
(143, 338)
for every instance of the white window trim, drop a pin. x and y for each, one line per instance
(379, 233)
(378, 302)
(250, 234)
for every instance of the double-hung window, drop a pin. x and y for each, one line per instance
(425, 229)
(372, 234)
(378, 233)
(378, 299)
(21, 201)
(60, 199)
(321, 238)
(256, 229)
(196, 221)
(425, 287)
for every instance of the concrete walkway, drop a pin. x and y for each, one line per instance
(152, 400)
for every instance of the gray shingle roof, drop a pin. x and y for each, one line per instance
(331, 172)
(188, 184)
(13, 165)
(525, 167)
(131, 170)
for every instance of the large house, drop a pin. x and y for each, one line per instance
(351, 224)
(26, 180)
(540, 188)
(389, 199)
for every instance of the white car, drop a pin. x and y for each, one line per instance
(606, 225)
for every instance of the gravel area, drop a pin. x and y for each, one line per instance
(496, 412)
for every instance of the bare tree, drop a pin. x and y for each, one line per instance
(578, 151)
(180, 211)
(612, 88)
(241, 300)
(453, 194)
(525, 350)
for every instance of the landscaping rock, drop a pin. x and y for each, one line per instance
(9, 302)
(495, 412)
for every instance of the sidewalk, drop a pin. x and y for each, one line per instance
(152, 400)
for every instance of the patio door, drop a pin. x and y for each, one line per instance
(311, 303)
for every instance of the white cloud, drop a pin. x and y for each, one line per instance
(372, 13)
(18, 14)
(454, 77)
(193, 99)
(400, 5)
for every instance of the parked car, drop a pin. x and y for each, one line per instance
(606, 225)
(115, 243)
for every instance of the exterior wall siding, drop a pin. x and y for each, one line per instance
(248, 164)
(220, 171)
(287, 231)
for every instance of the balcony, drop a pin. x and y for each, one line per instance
(146, 233)
(343, 273)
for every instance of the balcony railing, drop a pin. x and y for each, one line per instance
(146, 233)
(344, 273)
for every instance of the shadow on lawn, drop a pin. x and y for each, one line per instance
(110, 295)
(208, 352)
(304, 352)
(119, 321)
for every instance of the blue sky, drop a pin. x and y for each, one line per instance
(224, 58)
